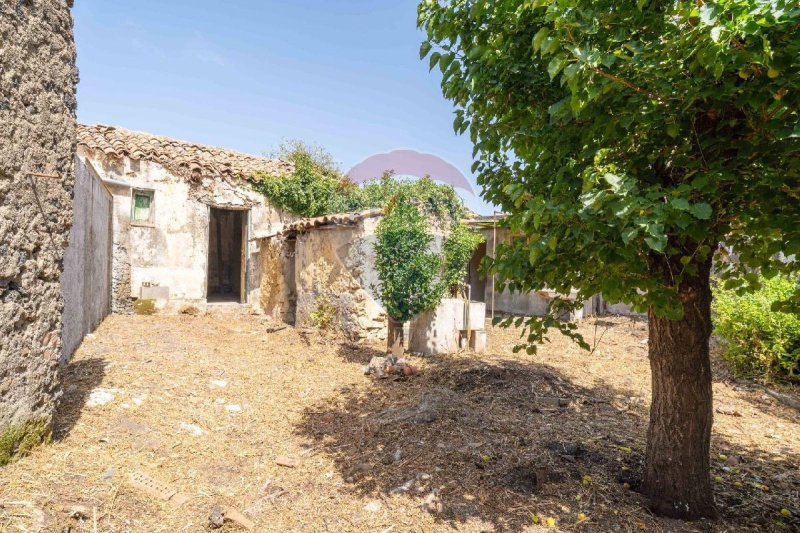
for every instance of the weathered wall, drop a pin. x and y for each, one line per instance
(336, 264)
(172, 252)
(328, 264)
(278, 290)
(37, 134)
(86, 281)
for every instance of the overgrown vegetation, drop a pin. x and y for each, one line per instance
(407, 269)
(761, 343)
(17, 440)
(317, 187)
(323, 314)
(144, 306)
(456, 253)
(413, 278)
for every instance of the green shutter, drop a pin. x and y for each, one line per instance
(141, 207)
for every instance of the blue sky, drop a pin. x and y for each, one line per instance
(247, 74)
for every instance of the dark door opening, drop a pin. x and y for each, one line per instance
(475, 279)
(225, 252)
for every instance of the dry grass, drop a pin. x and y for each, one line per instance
(474, 443)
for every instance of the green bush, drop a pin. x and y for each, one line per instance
(317, 187)
(323, 315)
(761, 343)
(457, 251)
(408, 271)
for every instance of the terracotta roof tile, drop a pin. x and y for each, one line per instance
(337, 219)
(179, 157)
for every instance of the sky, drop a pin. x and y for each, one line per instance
(248, 74)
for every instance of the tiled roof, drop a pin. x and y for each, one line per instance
(179, 157)
(337, 219)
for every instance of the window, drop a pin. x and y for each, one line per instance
(142, 207)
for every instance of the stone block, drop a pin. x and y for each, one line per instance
(477, 341)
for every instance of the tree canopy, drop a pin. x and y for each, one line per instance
(627, 140)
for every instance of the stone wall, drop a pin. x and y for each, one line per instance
(326, 265)
(37, 134)
(335, 265)
(86, 281)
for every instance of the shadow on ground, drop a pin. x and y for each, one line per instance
(79, 378)
(502, 441)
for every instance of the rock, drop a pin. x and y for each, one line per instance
(79, 512)
(433, 503)
(221, 383)
(373, 507)
(551, 402)
(216, 519)
(284, 461)
(194, 429)
(101, 397)
(233, 408)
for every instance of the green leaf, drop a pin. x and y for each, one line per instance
(433, 60)
(556, 64)
(701, 210)
(424, 48)
(540, 35)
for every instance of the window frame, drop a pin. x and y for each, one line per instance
(151, 193)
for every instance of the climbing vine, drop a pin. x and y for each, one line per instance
(317, 187)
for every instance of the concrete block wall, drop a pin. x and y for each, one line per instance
(37, 135)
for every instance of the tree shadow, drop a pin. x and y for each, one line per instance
(504, 440)
(358, 353)
(79, 378)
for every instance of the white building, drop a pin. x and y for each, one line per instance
(185, 220)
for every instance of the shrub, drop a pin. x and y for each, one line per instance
(407, 269)
(457, 252)
(144, 306)
(761, 343)
(317, 187)
(323, 314)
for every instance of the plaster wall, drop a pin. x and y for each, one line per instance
(86, 281)
(172, 250)
(37, 134)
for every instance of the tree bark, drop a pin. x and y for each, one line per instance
(677, 477)
(395, 342)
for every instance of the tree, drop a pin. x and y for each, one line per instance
(408, 271)
(629, 141)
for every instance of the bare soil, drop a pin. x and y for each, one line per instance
(282, 425)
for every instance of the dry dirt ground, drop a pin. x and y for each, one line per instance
(209, 406)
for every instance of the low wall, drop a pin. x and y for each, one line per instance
(86, 280)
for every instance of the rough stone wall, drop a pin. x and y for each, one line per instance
(37, 134)
(336, 265)
(86, 281)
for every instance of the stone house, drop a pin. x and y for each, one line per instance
(185, 221)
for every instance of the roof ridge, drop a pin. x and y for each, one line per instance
(183, 158)
(110, 127)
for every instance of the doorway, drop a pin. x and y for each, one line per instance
(226, 252)
(475, 279)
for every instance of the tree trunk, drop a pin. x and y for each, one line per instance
(677, 478)
(395, 342)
